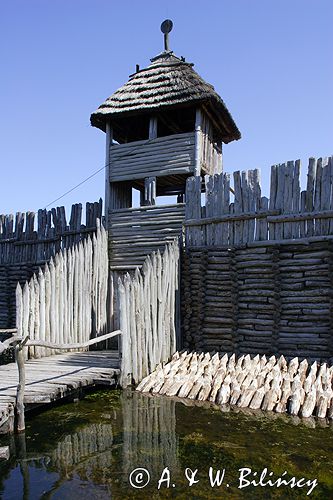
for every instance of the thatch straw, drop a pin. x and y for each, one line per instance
(167, 82)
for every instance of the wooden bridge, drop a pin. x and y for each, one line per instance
(27, 385)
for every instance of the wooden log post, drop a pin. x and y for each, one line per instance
(153, 127)
(20, 360)
(198, 142)
(19, 356)
(108, 144)
(149, 191)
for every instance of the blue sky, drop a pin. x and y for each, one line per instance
(271, 61)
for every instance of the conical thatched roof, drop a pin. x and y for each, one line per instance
(168, 82)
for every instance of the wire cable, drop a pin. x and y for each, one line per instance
(97, 171)
(78, 185)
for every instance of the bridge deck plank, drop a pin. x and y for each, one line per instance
(54, 377)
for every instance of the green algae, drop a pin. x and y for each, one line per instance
(88, 449)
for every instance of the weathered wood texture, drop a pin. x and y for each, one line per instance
(21, 242)
(266, 300)
(210, 161)
(23, 249)
(147, 310)
(162, 156)
(135, 233)
(298, 388)
(246, 217)
(66, 302)
(50, 379)
(19, 355)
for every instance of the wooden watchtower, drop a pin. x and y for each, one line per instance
(164, 125)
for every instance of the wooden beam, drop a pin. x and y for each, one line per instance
(139, 209)
(108, 144)
(153, 127)
(6, 343)
(324, 214)
(214, 122)
(52, 345)
(150, 191)
(265, 243)
(198, 142)
(224, 218)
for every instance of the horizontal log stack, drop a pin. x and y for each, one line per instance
(273, 300)
(296, 387)
(135, 233)
(257, 303)
(161, 156)
(257, 271)
(10, 275)
(306, 301)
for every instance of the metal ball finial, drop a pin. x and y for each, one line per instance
(166, 27)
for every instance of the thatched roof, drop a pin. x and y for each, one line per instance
(168, 82)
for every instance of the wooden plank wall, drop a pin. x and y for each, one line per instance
(246, 216)
(135, 233)
(259, 300)
(168, 155)
(211, 153)
(257, 272)
(21, 241)
(66, 301)
(147, 310)
(28, 240)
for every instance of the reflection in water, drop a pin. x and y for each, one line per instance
(149, 433)
(75, 453)
(87, 450)
(93, 441)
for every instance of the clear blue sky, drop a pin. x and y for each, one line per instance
(271, 61)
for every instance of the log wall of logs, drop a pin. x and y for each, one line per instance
(10, 275)
(261, 300)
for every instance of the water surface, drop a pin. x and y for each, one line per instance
(88, 450)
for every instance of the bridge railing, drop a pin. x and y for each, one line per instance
(20, 343)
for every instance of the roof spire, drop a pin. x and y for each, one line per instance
(166, 27)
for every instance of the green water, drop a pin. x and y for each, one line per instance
(88, 450)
